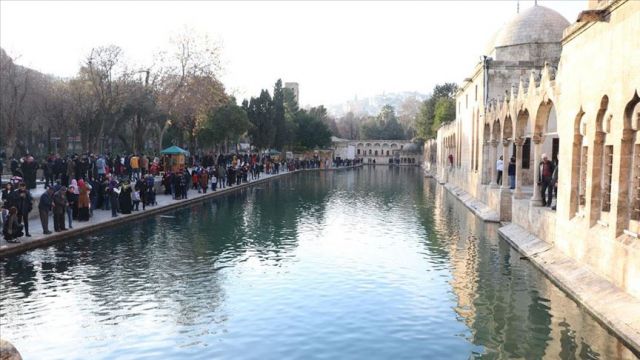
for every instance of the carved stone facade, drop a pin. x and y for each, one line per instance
(579, 104)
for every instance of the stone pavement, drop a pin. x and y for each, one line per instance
(102, 218)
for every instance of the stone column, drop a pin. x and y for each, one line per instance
(594, 179)
(506, 158)
(536, 199)
(493, 158)
(517, 193)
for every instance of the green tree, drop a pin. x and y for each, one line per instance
(279, 121)
(260, 113)
(320, 112)
(225, 125)
(424, 119)
(371, 129)
(426, 125)
(445, 112)
(384, 126)
(311, 132)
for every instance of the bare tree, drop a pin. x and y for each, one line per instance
(188, 84)
(104, 70)
(14, 86)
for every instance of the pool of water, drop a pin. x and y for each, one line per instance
(375, 263)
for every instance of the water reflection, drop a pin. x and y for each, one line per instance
(373, 263)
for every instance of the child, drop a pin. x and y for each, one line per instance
(136, 199)
(214, 181)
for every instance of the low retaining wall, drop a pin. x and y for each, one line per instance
(25, 245)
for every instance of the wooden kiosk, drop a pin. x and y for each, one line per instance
(174, 158)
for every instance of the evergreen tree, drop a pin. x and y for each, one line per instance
(426, 123)
(311, 132)
(260, 113)
(279, 121)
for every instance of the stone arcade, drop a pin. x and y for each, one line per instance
(571, 91)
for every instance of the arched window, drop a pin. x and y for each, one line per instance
(630, 168)
(599, 194)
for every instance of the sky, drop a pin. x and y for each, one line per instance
(334, 50)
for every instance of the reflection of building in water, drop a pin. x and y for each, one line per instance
(569, 91)
(508, 305)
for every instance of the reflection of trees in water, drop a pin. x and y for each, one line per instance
(18, 272)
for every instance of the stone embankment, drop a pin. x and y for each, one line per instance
(102, 218)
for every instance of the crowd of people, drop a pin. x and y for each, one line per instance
(78, 185)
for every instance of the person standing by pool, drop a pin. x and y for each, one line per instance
(11, 228)
(511, 171)
(59, 208)
(113, 192)
(499, 168)
(44, 207)
(545, 180)
(72, 203)
(125, 198)
(83, 201)
(24, 203)
(204, 180)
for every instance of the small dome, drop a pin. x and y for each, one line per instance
(491, 44)
(411, 148)
(536, 24)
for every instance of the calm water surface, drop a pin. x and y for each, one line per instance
(375, 263)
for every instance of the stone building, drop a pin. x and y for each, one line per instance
(295, 89)
(545, 86)
(379, 151)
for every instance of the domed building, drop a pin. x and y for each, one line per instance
(410, 154)
(549, 94)
(533, 35)
(519, 49)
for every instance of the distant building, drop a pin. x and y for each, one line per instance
(293, 86)
(402, 152)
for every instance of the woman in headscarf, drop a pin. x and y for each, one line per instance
(72, 207)
(83, 201)
(76, 191)
(125, 198)
(12, 229)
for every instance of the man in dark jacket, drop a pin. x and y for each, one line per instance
(60, 204)
(29, 168)
(24, 203)
(545, 180)
(44, 207)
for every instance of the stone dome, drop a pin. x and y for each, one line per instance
(411, 148)
(537, 24)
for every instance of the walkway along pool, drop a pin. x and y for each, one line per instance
(373, 263)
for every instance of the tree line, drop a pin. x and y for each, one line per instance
(414, 120)
(112, 105)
